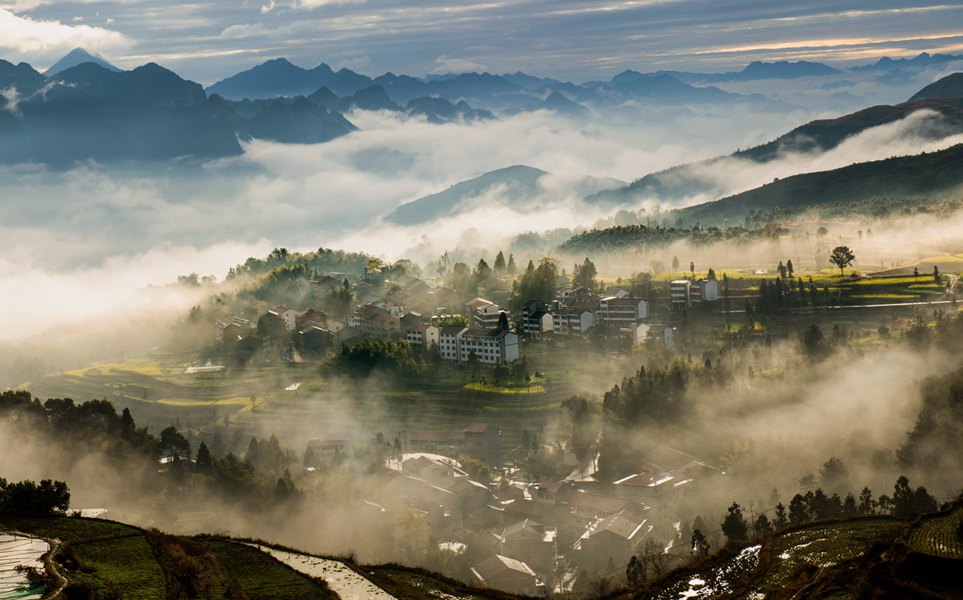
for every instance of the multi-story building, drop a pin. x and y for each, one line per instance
(622, 313)
(706, 290)
(573, 321)
(537, 319)
(488, 346)
(680, 294)
(483, 313)
(377, 320)
(422, 335)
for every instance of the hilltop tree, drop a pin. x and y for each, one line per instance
(842, 257)
(511, 265)
(675, 263)
(789, 269)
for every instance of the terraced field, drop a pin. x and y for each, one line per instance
(939, 536)
(822, 546)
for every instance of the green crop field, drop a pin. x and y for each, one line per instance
(117, 560)
(939, 536)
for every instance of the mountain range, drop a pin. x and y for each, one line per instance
(698, 179)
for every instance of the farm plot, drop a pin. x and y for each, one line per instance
(939, 536)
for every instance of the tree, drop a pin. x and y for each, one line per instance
(789, 269)
(762, 526)
(842, 257)
(204, 461)
(781, 269)
(936, 274)
(584, 274)
(499, 265)
(699, 545)
(31, 498)
(781, 519)
(511, 268)
(866, 502)
(174, 445)
(734, 527)
(675, 263)
(908, 503)
(833, 474)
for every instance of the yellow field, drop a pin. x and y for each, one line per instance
(239, 400)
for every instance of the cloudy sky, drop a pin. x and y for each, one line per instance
(573, 39)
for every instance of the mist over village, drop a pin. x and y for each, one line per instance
(404, 300)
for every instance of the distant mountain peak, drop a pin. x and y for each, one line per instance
(75, 57)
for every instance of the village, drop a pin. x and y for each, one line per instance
(503, 529)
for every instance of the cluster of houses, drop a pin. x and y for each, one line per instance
(536, 538)
(411, 310)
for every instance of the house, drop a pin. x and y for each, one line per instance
(589, 507)
(329, 281)
(610, 542)
(664, 459)
(530, 542)
(579, 298)
(649, 488)
(326, 449)
(573, 321)
(311, 315)
(377, 320)
(289, 316)
(234, 327)
(483, 313)
(315, 339)
(439, 473)
(479, 440)
(660, 334)
(706, 290)
(537, 319)
(622, 313)
(271, 327)
(448, 337)
(422, 335)
(484, 441)
(508, 575)
(552, 492)
(680, 294)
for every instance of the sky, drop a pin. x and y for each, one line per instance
(576, 40)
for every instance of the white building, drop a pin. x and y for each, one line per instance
(622, 312)
(680, 293)
(422, 335)
(483, 313)
(706, 290)
(488, 346)
(573, 321)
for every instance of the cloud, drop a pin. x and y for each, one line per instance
(450, 64)
(312, 4)
(26, 35)
(42, 297)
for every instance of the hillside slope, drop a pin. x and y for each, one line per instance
(923, 175)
